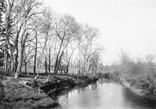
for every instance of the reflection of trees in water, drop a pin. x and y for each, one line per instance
(66, 95)
(87, 99)
(90, 98)
(134, 100)
(86, 88)
(79, 89)
(58, 106)
(65, 92)
(94, 86)
(86, 95)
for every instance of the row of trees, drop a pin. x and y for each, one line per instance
(34, 35)
(131, 67)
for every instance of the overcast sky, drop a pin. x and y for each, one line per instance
(128, 25)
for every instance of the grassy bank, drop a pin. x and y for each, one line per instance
(16, 94)
(141, 85)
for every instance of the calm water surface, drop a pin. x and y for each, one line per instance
(103, 95)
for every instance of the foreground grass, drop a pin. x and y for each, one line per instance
(16, 95)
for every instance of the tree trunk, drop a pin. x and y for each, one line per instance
(16, 61)
(6, 45)
(12, 63)
(35, 56)
(58, 59)
(25, 67)
(49, 59)
(46, 65)
(58, 56)
(58, 62)
(22, 40)
(8, 34)
(34, 67)
(20, 61)
(5, 57)
(16, 54)
(67, 68)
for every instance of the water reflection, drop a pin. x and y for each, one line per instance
(103, 95)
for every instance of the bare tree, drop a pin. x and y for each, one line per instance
(46, 28)
(36, 28)
(73, 47)
(86, 48)
(2, 11)
(8, 35)
(28, 55)
(27, 12)
(2, 26)
(65, 28)
(94, 62)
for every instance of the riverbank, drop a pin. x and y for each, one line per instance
(19, 93)
(141, 85)
(132, 88)
(17, 96)
(66, 82)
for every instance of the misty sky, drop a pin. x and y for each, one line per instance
(128, 25)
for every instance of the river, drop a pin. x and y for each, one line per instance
(103, 95)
